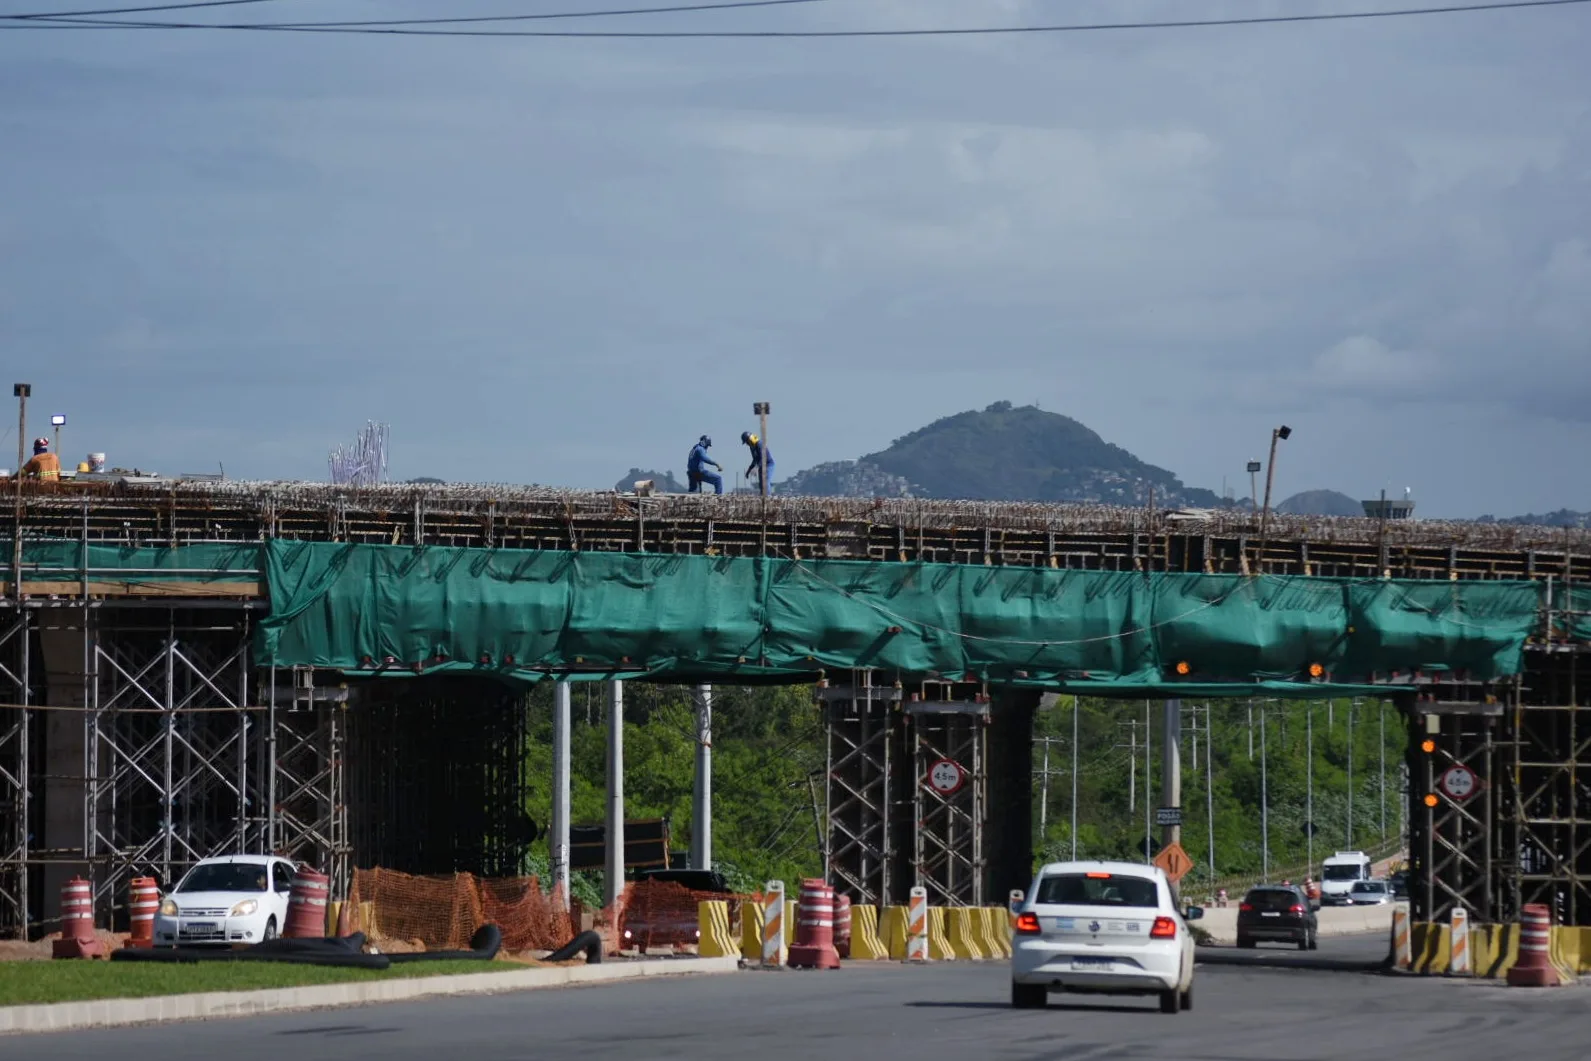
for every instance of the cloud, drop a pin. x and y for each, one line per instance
(553, 260)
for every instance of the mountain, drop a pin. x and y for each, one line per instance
(666, 483)
(1321, 503)
(1562, 518)
(1003, 453)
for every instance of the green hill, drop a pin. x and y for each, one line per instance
(1321, 503)
(1009, 453)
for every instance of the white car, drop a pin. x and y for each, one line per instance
(237, 899)
(1102, 927)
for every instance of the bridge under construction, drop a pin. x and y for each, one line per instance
(339, 674)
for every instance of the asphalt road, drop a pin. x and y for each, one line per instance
(945, 1012)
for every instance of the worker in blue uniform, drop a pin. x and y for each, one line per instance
(758, 452)
(696, 468)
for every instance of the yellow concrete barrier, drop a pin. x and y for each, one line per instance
(996, 926)
(893, 932)
(938, 940)
(865, 942)
(751, 930)
(712, 922)
(1495, 948)
(960, 934)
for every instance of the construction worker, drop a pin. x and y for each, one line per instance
(696, 468)
(758, 452)
(44, 465)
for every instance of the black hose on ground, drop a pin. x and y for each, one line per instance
(589, 942)
(484, 945)
(344, 952)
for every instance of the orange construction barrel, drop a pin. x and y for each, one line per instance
(306, 905)
(77, 922)
(842, 925)
(143, 900)
(814, 937)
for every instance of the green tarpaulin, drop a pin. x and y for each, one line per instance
(62, 560)
(527, 614)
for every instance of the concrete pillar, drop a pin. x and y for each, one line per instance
(1008, 831)
(65, 833)
(702, 796)
(613, 882)
(558, 841)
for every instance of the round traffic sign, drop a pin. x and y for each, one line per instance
(1459, 782)
(946, 776)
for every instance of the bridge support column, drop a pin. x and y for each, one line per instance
(1008, 840)
(558, 842)
(65, 834)
(613, 882)
(702, 796)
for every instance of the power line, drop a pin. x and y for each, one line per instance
(1343, 16)
(135, 10)
(81, 19)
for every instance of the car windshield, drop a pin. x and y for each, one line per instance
(1340, 873)
(225, 877)
(1368, 886)
(1098, 889)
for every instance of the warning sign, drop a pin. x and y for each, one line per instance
(1459, 782)
(946, 777)
(1174, 861)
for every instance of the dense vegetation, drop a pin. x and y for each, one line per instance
(768, 763)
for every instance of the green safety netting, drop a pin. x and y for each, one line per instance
(63, 560)
(531, 614)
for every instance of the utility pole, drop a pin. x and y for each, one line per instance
(760, 410)
(559, 841)
(1149, 798)
(1171, 768)
(1265, 803)
(1044, 794)
(1351, 704)
(613, 878)
(21, 391)
(1209, 784)
(1251, 730)
(1309, 780)
(1132, 767)
(702, 796)
(1381, 717)
(1074, 776)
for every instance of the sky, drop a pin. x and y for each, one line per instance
(550, 260)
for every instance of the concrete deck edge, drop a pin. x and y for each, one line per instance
(116, 1012)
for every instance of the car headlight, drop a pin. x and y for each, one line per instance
(168, 908)
(245, 908)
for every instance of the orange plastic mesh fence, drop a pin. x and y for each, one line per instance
(443, 912)
(664, 913)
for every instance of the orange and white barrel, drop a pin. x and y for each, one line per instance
(1534, 967)
(1402, 946)
(306, 905)
(78, 939)
(143, 900)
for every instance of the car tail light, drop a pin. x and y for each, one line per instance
(1163, 928)
(1027, 924)
(1246, 908)
(1295, 909)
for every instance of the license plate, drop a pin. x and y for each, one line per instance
(199, 926)
(1091, 963)
(1270, 913)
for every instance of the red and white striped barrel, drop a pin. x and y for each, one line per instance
(814, 939)
(306, 905)
(77, 921)
(842, 925)
(1534, 967)
(143, 900)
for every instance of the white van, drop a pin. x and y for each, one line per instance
(1338, 874)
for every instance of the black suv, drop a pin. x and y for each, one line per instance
(1278, 913)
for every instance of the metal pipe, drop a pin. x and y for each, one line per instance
(1265, 802)
(702, 793)
(613, 878)
(1309, 781)
(559, 841)
(1209, 786)
(1351, 704)
(1149, 796)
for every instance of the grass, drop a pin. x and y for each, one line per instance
(27, 982)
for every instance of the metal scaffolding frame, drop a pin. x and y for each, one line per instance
(858, 854)
(16, 772)
(1455, 861)
(949, 845)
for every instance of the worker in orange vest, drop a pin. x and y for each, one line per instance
(44, 465)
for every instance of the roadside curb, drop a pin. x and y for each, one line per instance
(114, 1012)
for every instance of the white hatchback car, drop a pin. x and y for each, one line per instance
(229, 900)
(1103, 927)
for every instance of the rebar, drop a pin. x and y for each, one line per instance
(365, 462)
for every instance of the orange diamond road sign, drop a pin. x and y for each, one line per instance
(1174, 861)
